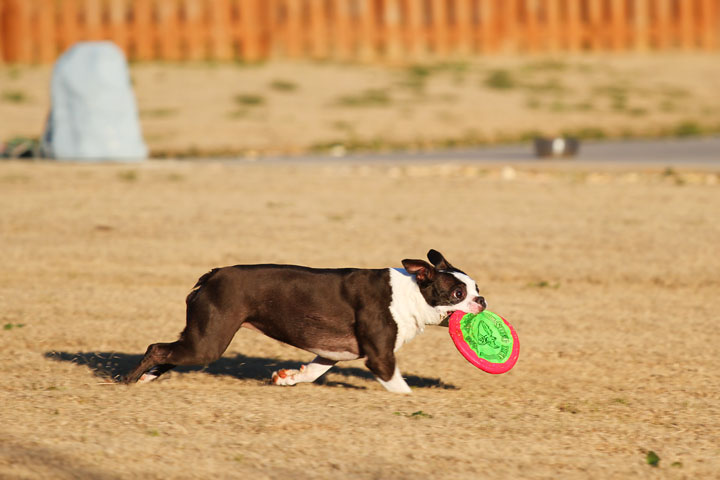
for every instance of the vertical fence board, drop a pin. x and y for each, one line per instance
(392, 33)
(552, 26)
(194, 37)
(46, 34)
(318, 33)
(219, 28)
(367, 39)
(462, 28)
(416, 39)
(488, 21)
(710, 24)
(640, 25)
(250, 31)
(438, 20)
(16, 29)
(686, 24)
(341, 30)
(142, 46)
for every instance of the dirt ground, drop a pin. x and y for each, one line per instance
(609, 276)
(283, 107)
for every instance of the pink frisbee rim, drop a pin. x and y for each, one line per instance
(471, 356)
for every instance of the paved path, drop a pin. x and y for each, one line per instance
(658, 153)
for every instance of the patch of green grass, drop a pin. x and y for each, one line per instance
(533, 103)
(652, 458)
(688, 129)
(500, 80)
(128, 175)
(249, 100)
(338, 217)
(239, 113)
(283, 85)
(676, 464)
(417, 414)
(14, 178)
(549, 86)
(10, 326)
(14, 96)
(158, 112)
(667, 106)
(153, 433)
(544, 284)
(372, 97)
(637, 111)
(14, 72)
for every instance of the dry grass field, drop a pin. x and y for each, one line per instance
(224, 109)
(611, 278)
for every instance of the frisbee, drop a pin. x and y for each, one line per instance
(485, 339)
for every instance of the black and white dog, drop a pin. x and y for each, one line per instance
(337, 314)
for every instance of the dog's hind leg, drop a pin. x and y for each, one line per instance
(307, 373)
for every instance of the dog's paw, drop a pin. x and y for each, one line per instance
(287, 376)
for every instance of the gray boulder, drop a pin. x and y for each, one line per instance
(93, 115)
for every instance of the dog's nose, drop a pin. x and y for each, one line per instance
(481, 301)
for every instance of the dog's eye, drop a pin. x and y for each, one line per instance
(458, 294)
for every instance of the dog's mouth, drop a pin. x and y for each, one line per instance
(476, 307)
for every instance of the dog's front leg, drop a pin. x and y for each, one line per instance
(307, 373)
(396, 384)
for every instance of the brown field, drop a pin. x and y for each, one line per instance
(610, 277)
(288, 107)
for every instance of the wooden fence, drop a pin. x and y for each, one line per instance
(37, 31)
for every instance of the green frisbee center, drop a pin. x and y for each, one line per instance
(488, 336)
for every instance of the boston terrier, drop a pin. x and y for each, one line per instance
(337, 314)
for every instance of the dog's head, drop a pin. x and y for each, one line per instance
(443, 286)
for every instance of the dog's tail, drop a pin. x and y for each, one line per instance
(199, 284)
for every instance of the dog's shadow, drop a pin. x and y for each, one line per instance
(113, 365)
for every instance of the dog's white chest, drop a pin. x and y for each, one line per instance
(408, 307)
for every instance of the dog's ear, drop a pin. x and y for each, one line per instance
(437, 259)
(422, 270)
